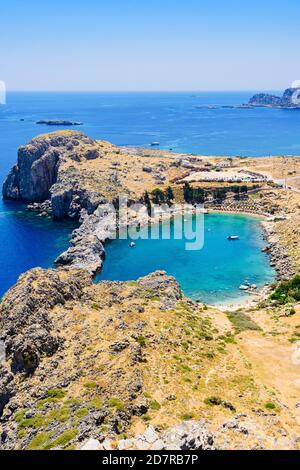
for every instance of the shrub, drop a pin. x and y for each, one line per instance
(154, 405)
(213, 401)
(187, 416)
(141, 340)
(90, 385)
(287, 291)
(81, 413)
(56, 393)
(116, 403)
(242, 322)
(38, 421)
(270, 406)
(62, 440)
(39, 440)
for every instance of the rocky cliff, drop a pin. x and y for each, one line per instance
(289, 99)
(40, 173)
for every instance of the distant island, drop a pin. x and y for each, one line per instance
(59, 123)
(289, 99)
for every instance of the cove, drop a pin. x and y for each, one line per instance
(213, 274)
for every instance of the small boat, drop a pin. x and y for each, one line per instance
(154, 144)
(132, 245)
(244, 287)
(233, 237)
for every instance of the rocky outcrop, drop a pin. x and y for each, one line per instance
(264, 99)
(37, 171)
(86, 246)
(59, 123)
(279, 257)
(289, 99)
(24, 322)
(68, 199)
(188, 435)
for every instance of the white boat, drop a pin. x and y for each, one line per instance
(233, 237)
(132, 245)
(153, 144)
(244, 287)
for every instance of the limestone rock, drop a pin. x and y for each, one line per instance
(91, 444)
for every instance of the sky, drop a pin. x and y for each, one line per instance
(154, 45)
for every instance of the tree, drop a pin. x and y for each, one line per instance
(198, 196)
(158, 196)
(187, 193)
(147, 202)
(169, 195)
(219, 194)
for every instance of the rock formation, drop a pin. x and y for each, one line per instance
(289, 99)
(39, 175)
(59, 122)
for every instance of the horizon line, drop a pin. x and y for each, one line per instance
(144, 91)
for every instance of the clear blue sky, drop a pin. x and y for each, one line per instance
(149, 45)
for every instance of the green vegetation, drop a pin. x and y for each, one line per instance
(158, 196)
(169, 195)
(40, 440)
(187, 416)
(90, 385)
(96, 403)
(72, 402)
(81, 413)
(270, 406)
(60, 414)
(295, 337)
(62, 440)
(287, 291)
(213, 401)
(146, 418)
(56, 393)
(116, 403)
(154, 405)
(193, 195)
(217, 401)
(147, 202)
(141, 340)
(242, 322)
(38, 421)
(96, 306)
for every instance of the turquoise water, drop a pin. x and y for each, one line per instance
(212, 274)
(173, 119)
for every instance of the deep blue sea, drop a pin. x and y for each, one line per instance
(173, 119)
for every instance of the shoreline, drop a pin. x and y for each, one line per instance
(103, 229)
(252, 297)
